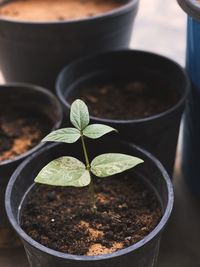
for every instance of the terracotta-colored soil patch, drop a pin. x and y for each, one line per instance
(20, 132)
(50, 10)
(98, 249)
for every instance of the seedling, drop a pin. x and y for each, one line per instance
(69, 171)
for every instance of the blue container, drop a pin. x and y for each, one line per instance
(191, 134)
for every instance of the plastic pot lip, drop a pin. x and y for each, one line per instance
(166, 113)
(191, 7)
(56, 125)
(153, 234)
(115, 12)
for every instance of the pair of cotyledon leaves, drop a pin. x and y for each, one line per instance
(69, 171)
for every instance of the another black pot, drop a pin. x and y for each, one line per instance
(36, 51)
(158, 133)
(142, 254)
(32, 98)
(191, 129)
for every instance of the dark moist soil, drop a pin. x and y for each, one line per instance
(19, 132)
(61, 219)
(128, 100)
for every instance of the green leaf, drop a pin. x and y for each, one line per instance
(113, 163)
(64, 171)
(65, 135)
(95, 131)
(79, 114)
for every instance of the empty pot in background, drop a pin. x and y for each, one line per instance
(27, 98)
(158, 133)
(34, 52)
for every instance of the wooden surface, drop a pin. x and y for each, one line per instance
(180, 243)
(13, 258)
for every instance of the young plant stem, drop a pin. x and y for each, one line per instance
(92, 195)
(91, 185)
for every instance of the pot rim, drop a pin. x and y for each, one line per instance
(165, 113)
(191, 7)
(57, 124)
(126, 7)
(156, 231)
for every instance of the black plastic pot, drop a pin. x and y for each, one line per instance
(32, 98)
(142, 254)
(158, 133)
(35, 52)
